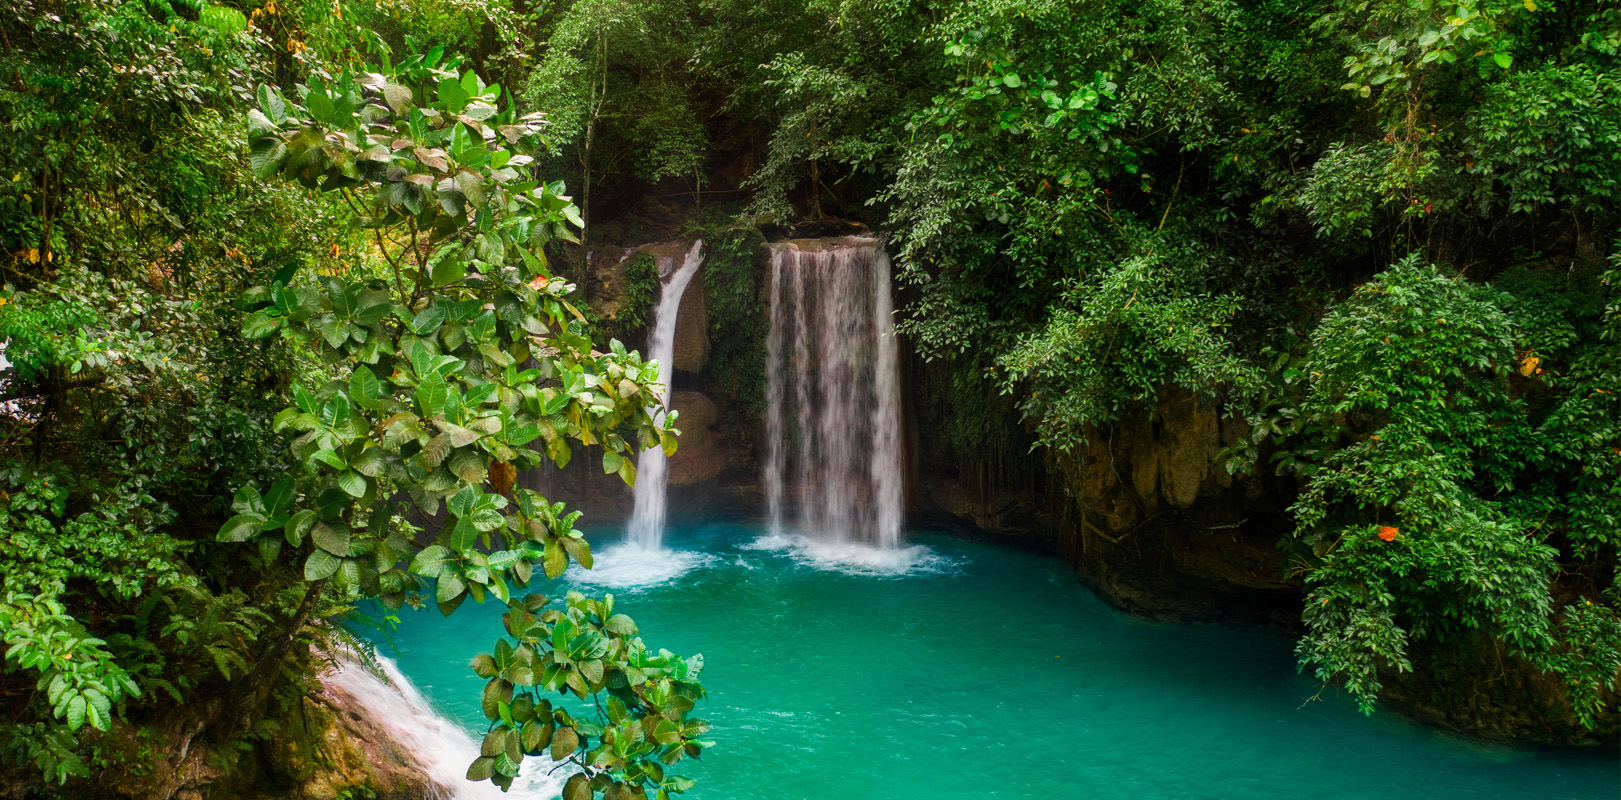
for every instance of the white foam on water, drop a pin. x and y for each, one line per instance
(854, 558)
(630, 565)
(444, 749)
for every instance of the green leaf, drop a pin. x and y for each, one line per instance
(482, 768)
(555, 562)
(398, 97)
(564, 742)
(621, 624)
(1503, 60)
(449, 270)
(472, 187)
(536, 736)
(259, 325)
(578, 549)
(448, 587)
(272, 104)
(452, 95)
(364, 388)
(321, 107)
(298, 526)
(430, 395)
(321, 564)
(464, 535)
(280, 497)
(352, 483)
(432, 561)
(428, 320)
(75, 712)
(467, 465)
(333, 537)
(240, 528)
(578, 787)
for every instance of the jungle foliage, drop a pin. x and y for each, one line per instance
(314, 317)
(1381, 234)
(287, 303)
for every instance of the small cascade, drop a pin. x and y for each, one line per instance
(443, 748)
(647, 516)
(833, 393)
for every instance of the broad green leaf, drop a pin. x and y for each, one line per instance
(297, 526)
(280, 497)
(432, 561)
(448, 587)
(482, 768)
(240, 528)
(472, 187)
(564, 742)
(428, 320)
(578, 787)
(352, 483)
(259, 325)
(320, 564)
(536, 736)
(272, 104)
(554, 561)
(398, 97)
(333, 537)
(430, 394)
(449, 270)
(578, 549)
(452, 95)
(464, 535)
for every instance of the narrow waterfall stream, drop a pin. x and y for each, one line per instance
(833, 341)
(646, 528)
(443, 747)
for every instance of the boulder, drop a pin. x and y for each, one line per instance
(692, 327)
(701, 454)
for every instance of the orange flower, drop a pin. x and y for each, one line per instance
(1388, 533)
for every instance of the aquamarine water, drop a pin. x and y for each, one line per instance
(987, 673)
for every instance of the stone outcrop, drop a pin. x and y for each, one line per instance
(701, 454)
(692, 328)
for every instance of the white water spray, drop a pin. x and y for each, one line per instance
(832, 305)
(443, 748)
(647, 516)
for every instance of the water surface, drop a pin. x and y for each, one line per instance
(966, 671)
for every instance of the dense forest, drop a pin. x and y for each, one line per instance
(293, 290)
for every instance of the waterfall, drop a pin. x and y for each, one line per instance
(443, 748)
(832, 337)
(647, 516)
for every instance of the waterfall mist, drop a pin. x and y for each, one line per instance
(833, 394)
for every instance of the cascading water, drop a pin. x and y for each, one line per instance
(442, 748)
(647, 516)
(840, 430)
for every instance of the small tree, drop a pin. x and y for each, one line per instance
(448, 365)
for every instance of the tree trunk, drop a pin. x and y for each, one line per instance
(254, 691)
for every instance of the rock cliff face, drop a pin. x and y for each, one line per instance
(1146, 516)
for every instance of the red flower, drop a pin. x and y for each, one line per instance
(1388, 533)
